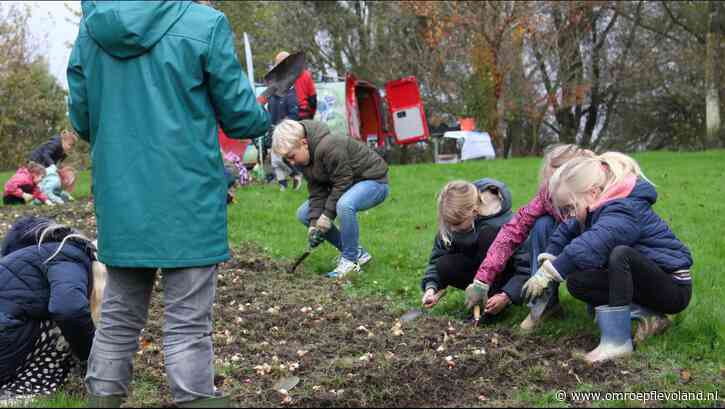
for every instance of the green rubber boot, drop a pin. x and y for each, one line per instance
(114, 401)
(220, 402)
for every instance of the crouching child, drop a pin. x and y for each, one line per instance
(614, 251)
(344, 176)
(24, 186)
(469, 218)
(57, 184)
(50, 293)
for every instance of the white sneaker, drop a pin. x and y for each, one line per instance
(344, 267)
(362, 257)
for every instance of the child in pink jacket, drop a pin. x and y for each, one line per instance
(538, 219)
(23, 187)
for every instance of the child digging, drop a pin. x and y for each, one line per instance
(615, 252)
(469, 217)
(23, 187)
(535, 221)
(57, 184)
(55, 150)
(344, 176)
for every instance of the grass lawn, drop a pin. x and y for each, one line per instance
(399, 234)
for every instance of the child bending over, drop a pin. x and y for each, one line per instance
(55, 150)
(469, 217)
(614, 250)
(23, 187)
(57, 184)
(536, 222)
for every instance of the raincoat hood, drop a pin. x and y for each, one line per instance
(134, 31)
(501, 188)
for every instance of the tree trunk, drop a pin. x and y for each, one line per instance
(712, 76)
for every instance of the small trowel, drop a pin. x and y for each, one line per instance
(412, 315)
(538, 305)
(299, 260)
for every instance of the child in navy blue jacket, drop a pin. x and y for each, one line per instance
(614, 250)
(50, 287)
(469, 218)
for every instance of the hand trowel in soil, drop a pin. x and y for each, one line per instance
(299, 260)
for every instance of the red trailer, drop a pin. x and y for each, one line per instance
(372, 117)
(370, 114)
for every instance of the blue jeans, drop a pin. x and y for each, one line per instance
(361, 196)
(539, 238)
(188, 348)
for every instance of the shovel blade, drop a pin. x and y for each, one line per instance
(297, 262)
(411, 315)
(538, 305)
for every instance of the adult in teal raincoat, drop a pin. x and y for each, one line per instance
(148, 83)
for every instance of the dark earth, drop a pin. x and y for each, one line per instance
(335, 350)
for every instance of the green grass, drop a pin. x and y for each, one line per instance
(399, 234)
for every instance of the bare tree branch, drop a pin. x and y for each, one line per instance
(700, 38)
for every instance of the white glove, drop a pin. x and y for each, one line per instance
(324, 223)
(545, 256)
(536, 285)
(27, 197)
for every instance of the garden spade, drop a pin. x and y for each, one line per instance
(310, 246)
(299, 260)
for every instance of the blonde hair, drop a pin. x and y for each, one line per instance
(280, 57)
(287, 136)
(67, 177)
(68, 136)
(555, 156)
(570, 182)
(456, 203)
(99, 273)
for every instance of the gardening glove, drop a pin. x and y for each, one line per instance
(324, 223)
(536, 285)
(476, 294)
(314, 237)
(545, 256)
(27, 197)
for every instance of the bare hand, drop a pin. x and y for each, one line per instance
(429, 298)
(497, 303)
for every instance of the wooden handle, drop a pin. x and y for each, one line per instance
(477, 312)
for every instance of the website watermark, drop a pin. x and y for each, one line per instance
(562, 396)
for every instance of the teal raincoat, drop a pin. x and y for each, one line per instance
(149, 81)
